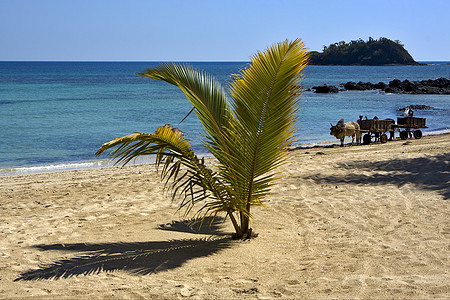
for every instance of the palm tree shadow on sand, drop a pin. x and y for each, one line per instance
(136, 258)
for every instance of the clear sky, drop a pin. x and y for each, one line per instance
(212, 30)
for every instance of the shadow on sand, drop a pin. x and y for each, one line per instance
(138, 258)
(208, 226)
(429, 173)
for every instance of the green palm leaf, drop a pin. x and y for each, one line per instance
(266, 98)
(206, 95)
(173, 151)
(249, 133)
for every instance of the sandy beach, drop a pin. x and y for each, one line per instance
(364, 222)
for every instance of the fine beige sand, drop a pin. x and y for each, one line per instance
(368, 222)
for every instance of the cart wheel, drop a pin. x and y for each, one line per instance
(366, 139)
(383, 138)
(417, 134)
(403, 135)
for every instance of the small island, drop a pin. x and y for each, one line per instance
(381, 52)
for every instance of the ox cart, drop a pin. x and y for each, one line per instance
(376, 129)
(410, 126)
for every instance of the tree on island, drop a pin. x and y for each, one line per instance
(358, 52)
(248, 132)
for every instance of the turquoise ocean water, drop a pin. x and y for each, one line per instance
(55, 115)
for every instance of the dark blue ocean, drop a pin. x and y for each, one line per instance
(55, 115)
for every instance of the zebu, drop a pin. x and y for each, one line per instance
(341, 130)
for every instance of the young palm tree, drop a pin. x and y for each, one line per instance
(248, 132)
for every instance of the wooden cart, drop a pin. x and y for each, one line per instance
(375, 129)
(409, 126)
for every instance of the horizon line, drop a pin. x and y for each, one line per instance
(159, 61)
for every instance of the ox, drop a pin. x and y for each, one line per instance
(341, 130)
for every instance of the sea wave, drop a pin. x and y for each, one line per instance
(438, 131)
(55, 167)
(76, 165)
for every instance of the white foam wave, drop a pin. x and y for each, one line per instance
(55, 167)
(435, 132)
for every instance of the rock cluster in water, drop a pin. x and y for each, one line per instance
(416, 107)
(324, 89)
(430, 86)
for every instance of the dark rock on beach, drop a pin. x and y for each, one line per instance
(437, 86)
(364, 86)
(323, 89)
(360, 86)
(380, 85)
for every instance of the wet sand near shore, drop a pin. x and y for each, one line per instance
(353, 222)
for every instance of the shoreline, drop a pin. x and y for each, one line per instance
(345, 222)
(105, 162)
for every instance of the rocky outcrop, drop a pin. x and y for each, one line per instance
(362, 86)
(416, 107)
(437, 86)
(323, 89)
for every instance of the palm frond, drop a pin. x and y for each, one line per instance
(194, 183)
(138, 144)
(206, 95)
(265, 101)
(249, 134)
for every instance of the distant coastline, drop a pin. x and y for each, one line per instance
(437, 62)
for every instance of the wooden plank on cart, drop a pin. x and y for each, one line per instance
(376, 125)
(411, 122)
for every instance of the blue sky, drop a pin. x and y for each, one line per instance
(211, 30)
